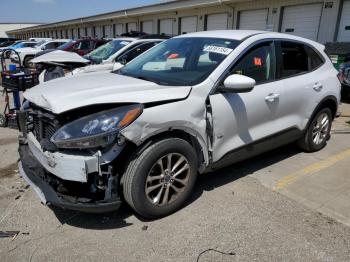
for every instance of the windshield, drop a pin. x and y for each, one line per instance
(65, 45)
(105, 51)
(40, 43)
(180, 61)
(17, 45)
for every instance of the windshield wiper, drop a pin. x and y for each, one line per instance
(151, 80)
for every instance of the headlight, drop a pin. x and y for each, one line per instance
(96, 130)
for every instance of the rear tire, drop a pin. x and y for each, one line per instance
(155, 186)
(318, 132)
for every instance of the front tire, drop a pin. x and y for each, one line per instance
(160, 179)
(318, 132)
(3, 121)
(26, 61)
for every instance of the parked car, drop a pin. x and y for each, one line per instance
(17, 45)
(80, 46)
(190, 105)
(119, 51)
(39, 39)
(28, 53)
(8, 42)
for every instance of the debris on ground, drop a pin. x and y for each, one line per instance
(144, 228)
(12, 234)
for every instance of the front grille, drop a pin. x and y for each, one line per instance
(44, 125)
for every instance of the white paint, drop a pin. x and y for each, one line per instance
(188, 24)
(217, 21)
(344, 25)
(66, 166)
(71, 92)
(60, 57)
(253, 19)
(303, 20)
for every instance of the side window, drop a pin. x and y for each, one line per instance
(138, 50)
(294, 59)
(50, 45)
(314, 59)
(258, 63)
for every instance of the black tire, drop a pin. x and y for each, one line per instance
(307, 142)
(26, 61)
(139, 170)
(3, 121)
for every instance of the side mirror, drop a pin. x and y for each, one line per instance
(117, 66)
(238, 84)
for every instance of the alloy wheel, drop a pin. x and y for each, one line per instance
(321, 129)
(167, 179)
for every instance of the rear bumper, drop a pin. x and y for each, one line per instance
(34, 173)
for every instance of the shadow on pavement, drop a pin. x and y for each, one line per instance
(205, 182)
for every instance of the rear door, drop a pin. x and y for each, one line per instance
(303, 82)
(240, 119)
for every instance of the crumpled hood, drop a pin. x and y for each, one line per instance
(64, 94)
(59, 56)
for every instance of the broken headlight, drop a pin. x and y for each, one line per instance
(96, 130)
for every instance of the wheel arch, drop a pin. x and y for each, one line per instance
(330, 102)
(191, 136)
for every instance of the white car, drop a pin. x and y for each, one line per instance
(28, 53)
(119, 51)
(18, 45)
(190, 105)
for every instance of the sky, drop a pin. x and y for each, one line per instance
(45, 11)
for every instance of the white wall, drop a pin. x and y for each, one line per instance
(8, 27)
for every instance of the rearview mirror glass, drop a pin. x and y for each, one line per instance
(238, 84)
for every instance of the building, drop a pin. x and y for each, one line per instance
(4, 27)
(320, 20)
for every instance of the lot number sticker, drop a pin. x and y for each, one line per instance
(218, 49)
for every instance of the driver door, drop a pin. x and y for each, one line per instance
(240, 119)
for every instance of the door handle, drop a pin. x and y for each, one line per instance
(317, 86)
(272, 97)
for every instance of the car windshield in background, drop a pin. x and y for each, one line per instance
(180, 61)
(65, 45)
(105, 51)
(40, 43)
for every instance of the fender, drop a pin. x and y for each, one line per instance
(320, 105)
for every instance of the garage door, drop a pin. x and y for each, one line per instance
(98, 32)
(147, 27)
(118, 29)
(166, 26)
(188, 24)
(108, 31)
(253, 19)
(217, 22)
(344, 25)
(132, 27)
(302, 20)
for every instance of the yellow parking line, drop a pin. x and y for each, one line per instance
(291, 178)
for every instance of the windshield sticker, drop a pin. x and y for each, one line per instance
(124, 42)
(218, 49)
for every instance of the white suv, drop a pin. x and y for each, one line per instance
(28, 53)
(192, 104)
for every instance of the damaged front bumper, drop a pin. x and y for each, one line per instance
(49, 186)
